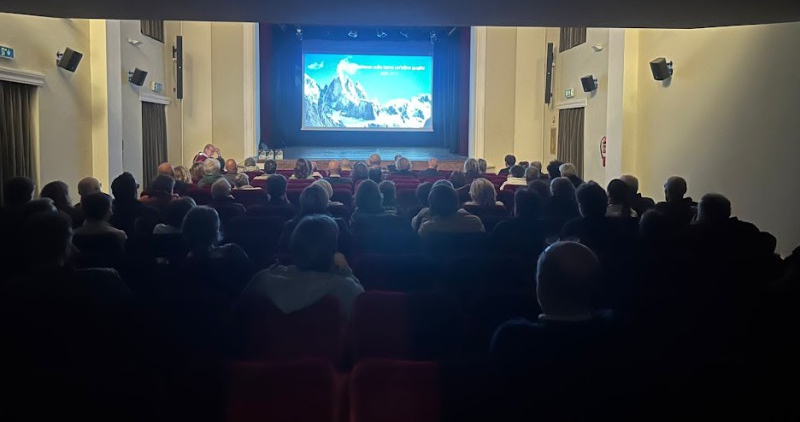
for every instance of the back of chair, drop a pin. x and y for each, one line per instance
(407, 198)
(487, 313)
(395, 273)
(302, 390)
(250, 197)
(253, 174)
(258, 236)
(200, 196)
(98, 250)
(395, 391)
(396, 241)
(293, 195)
(507, 198)
(490, 221)
(343, 195)
(454, 244)
(169, 246)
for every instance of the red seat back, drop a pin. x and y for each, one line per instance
(258, 183)
(303, 390)
(253, 174)
(248, 197)
(395, 391)
(395, 273)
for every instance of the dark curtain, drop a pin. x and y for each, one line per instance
(16, 150)
(154, 139)
(571, 37)
(153, 29)
(286, 92)
(448, 91)
(570, 137)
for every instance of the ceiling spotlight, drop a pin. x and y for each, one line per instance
(352, 34)
(382, 34)
(404, 34)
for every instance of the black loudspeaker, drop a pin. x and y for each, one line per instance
(548, 80)
(70, 60)
(589, 83)
(662, 70)
(178, 51)
(137, 77)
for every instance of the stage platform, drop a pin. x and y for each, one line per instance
(418, 156)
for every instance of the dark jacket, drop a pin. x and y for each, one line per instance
(429, 173)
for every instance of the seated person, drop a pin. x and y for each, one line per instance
(335, 174)
(178, 174)
(370, 214)
(302, 170)
(324, 184)
(423, 190)
(236, 179)
(374, 161)
(176, 211)
(314, 170)
(96, 209)
(270, 168)
(569, 171)
(250, 165)
(679, 209)
(376, 175)
(510, 160)
(553, 169)
(618, 196)
(459, 182)
(389, 191)
(482, 166)
(318, 271)
(58, 191)
(346, 165)
(403, 166)
(532, 173)
(223, 202)
(278, 204)
(525, 234)
(314, 201)
(360, 172)
(126, 208)
(197, 172)
(392, 168)
(638, 203)
(160, 194)
(447, 216)
(212, 172)
(424, 214)
(432, 170)
(542, 188)
(562, 206)
(484, 199)
(516, 177)
(471, 170)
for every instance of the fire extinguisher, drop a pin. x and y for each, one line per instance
(603, 150)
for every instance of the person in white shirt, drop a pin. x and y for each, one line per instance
(516, 177)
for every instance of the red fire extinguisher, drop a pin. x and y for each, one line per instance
(603, 150)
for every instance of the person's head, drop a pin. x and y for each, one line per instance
(482, 192)
(360, 171)
(230, 166)
(221, 189)
(313, 166)
(302, 169)
(181, 174)
(397, 157)
(389, 191)
(527, 204)
(209, 150)
(523, 164)
(211, 167)
(314, 200)
(562, 188)
(162, 183)
(374, 161)
(541, 188)
(276, 186)
(537, 164)
(346, 166)
(553, 169)
(402, 164)
(334, 167)
(592, 200)
(567, 169)
(531, 174)
(313, 243)
(249, 163)
(197, 172)
(482, 165)
(58, 191)
(177, 209)
(566, 277)
(368, 197)
(517, 171)
(48, 238)
(124, 187)
(96, 206)
(433, 163)
(17, 191)
(324, 184)
(38, 206)
(458, 179)
(618, 192)
(423, 190)
(675, 188)
(270, 167)
(713, 208)
(443, 201)
(444, 183)
(88, 185)
(166, 169)
(375, 174)
(632, 182)
(655, 227)
(471, 167)
(200, 228)
(510, 160)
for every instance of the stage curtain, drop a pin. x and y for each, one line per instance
(286, 93)
(570, 137)
(448, 92)
(570, 37)
(154, 139)
(153, 29)
(16, 150)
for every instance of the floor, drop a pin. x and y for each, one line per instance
(362, 153)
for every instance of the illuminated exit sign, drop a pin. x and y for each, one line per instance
(6, 52)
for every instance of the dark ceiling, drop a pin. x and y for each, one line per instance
(593, 13)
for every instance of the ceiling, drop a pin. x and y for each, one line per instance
(592, 13)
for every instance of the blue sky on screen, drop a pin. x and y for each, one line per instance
(382, 84)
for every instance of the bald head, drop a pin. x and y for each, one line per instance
(88, 185)
(334, 167)
(433, 163)
(675, 188)
(713, 208)
(166, 169)
(374, 161)
(230, 166)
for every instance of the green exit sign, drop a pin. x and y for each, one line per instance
(6, 52)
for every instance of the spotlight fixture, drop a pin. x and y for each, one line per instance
(404, 34)
(352, 34)
(381, 34)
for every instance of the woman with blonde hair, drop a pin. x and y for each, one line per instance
(181, 174)
(484, 199)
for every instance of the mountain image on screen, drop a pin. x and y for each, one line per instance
(344, 103)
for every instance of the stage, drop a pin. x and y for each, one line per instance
(417, 155)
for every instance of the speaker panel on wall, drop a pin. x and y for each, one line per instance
(548, 82)
(137, 77)
(179, 62)
(69, 60)
(589, 83)
(661, 68)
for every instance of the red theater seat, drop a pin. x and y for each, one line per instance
(249, 197)
(285, 173)
(200, 196)
(395, 391)
(296, 391)
(258, 183)
(507, 198)
(258, 236)
(395, 273)
(253, 174)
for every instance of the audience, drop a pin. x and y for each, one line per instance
(314, 201)
(484, 200)
(516, 177)
(471, 170)
(278, 204)
(637, 202)
(236, 179)
(562, 206)
(376, 174)
(618, 200)
(211, 173)
(58, 191)
(482, 165)
(447, 216)
(553, 171)
(197, 172)
(677, 208)
(432, 171)
(96, 209)
(423, 190)
(250, 165)
(374, 161)
(302, 170)
(126, 208)
(403, 166)
(525, 234)
(510, 160)
(335, 174)
(389, 191)
(360, 172)
(569, 171)
(176, 211)
(270, 168)
(223, 202)
(370, 212)
(160, 193)
(532, 174)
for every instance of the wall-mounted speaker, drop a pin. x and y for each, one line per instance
(177, 53)
(661, 68)
(137, 77)
(548, 71)
(589, 83)
(69, 59)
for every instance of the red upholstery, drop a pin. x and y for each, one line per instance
(253, 174)
(248, 197)
(315, 332)
(200, 196)
(395, 391)
(285, 173)
(431, 179)
(258, 183)
(407, 198)
(303, 390)
(398, 273)
(345, 196)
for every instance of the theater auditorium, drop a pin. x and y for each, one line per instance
(419, 211)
